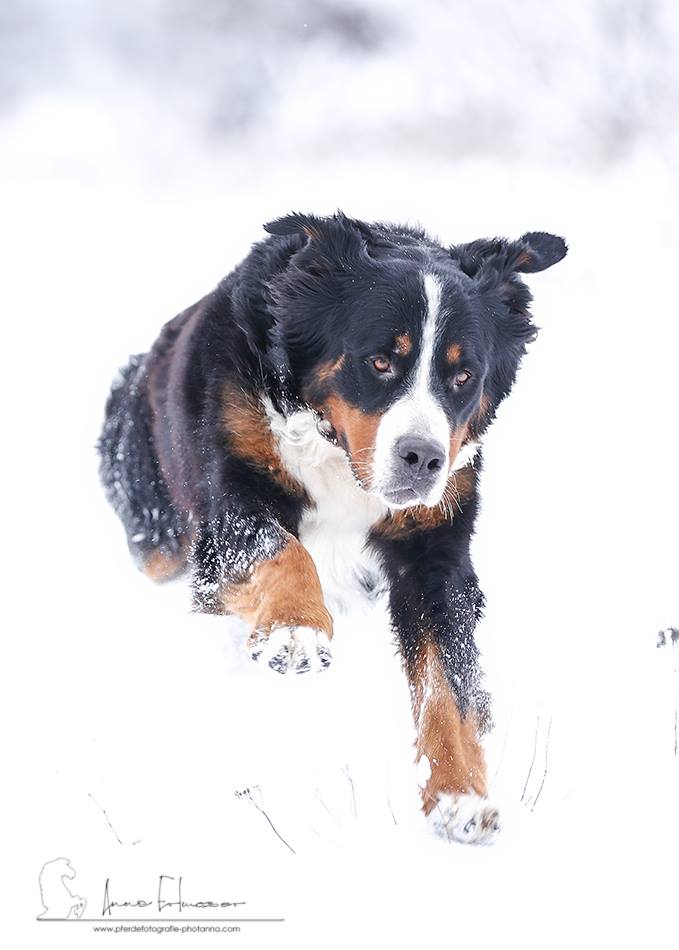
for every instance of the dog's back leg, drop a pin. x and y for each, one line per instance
(133, 481)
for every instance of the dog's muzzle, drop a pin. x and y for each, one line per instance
(415, 471)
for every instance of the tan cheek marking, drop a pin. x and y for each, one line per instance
(319, 382)
(477, 420)
(403, 344)
(463, 484)
(457, 439)
(284, 591)
(450, 742)
(359, 430)
(469, 430)
(250, 437)
(327, 370)
(453, 353)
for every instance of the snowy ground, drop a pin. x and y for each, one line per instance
(120, 701)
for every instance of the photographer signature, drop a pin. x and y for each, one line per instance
(169, 896)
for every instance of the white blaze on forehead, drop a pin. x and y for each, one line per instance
(432, 293)
(418, 412)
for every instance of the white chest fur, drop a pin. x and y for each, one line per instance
(334, 528)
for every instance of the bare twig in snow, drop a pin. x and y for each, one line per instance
(502, 751)
(544, 774)
(674, 635)
(532, 761)
(108, 820)
(331, 813)
(353, 790)
(247, 794)
(391, 810)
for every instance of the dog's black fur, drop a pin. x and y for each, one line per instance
(319, 293)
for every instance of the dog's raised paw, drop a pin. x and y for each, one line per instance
(468, 818)
(293, 649)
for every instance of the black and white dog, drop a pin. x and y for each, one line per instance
(309, 431)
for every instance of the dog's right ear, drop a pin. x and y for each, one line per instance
(297, 223)
(335, 237)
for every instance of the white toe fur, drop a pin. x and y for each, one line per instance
(291, 649)
(467, 818)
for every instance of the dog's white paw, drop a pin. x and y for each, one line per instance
(291, 649)
(468, 818)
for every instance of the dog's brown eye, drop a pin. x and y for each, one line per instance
(459, 379)
(381, 364)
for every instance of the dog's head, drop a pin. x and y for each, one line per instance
(404, 347)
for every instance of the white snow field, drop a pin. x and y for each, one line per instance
(132, 725)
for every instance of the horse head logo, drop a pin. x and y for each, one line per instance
(58, 901)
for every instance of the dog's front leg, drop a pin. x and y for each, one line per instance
(435, 606)
(449, 754)
(248, 564)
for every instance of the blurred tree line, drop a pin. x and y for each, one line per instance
(585, 80)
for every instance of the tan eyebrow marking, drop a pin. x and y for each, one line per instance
(453, 353)
(403, 344)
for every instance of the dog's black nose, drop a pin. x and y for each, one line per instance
(420, 458)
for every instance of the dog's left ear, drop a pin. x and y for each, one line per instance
(535, 251)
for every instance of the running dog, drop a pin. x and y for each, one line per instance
(310, 432)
